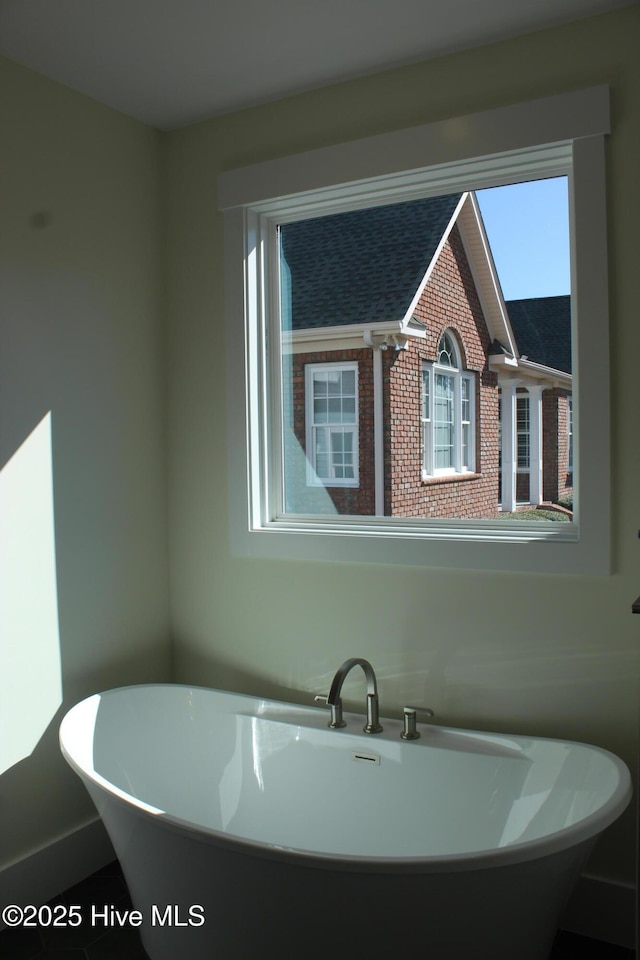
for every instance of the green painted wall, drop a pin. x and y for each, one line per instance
(108, 229)
(81, 341)
(552, 655)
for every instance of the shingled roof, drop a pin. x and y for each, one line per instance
(542, 328)
(364, 266)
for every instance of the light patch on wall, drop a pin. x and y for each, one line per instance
(30, 669)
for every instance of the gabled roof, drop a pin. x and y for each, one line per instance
(363, 266)
(366, 267)
(542, 328)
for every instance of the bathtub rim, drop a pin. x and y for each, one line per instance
(589, 828)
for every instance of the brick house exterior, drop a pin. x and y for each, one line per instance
(542, 330)
(347, 500)
(359, 303)
(449, 302)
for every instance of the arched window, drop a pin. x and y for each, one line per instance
(448, 405)
(447, 352)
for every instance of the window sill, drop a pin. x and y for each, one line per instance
(334, 485)
(519, 547)
(429, 481)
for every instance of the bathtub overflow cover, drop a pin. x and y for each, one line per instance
(366, 758)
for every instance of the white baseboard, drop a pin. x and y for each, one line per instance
(602, 910)
(54, 868)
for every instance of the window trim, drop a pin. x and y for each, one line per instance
(570, 435)
(459, 375)
(538, 138)
(312, 477)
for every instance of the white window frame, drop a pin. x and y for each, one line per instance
(570, 435)
(426, 416)
(313, 480)
(556, 136)
(459, 375)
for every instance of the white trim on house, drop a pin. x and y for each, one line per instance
(485, 275)
(427, 276)
(378, 433)
(508, 420)
(351, 336)
(536, 452)
(549, 375)
(508, 367)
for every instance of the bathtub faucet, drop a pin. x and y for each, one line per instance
(334, 700)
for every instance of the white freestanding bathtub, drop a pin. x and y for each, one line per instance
(246, 828)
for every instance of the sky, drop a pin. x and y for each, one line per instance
(528, 229)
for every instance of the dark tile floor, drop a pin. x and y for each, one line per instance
(86, 941)
(99, 942)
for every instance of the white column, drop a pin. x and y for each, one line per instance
(509, 447)
(378, 432)
(535, 444)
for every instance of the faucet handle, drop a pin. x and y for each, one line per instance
(336, 710)
(409, 715)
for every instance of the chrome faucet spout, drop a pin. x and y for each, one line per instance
(334, 699)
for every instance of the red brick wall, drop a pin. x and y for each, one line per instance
(557, 481)
(449, 301)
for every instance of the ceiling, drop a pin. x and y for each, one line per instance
(169, 63)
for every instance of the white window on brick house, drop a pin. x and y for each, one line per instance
(426, 418)
(523, 433)
(331, 412)
(570, 435)
(523, 448)
(448, 401)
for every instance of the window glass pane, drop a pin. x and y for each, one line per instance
(320, 412)
(367, 361)
(335, 410)
(337, 444)
(322, 458)
(466, 409)
(446, 355)
(466, 445)
(349, 383)
(444, 430)
(523, 452)
(337, 459)
(426, 378)
(524, 436)
(320, 385)
(342, 454)
(349, 410)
